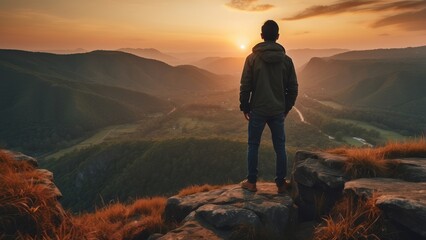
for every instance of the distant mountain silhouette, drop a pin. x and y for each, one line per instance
(118, 69)
(152, 53)
(234, 65)
(391, 53)
(65, 51)
(302, 56)
(392, 79)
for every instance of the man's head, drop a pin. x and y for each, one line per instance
(270, 31)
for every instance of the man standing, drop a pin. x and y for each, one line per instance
(268, 91)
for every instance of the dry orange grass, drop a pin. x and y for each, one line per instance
(196, 189)
(29, 210)
(366, 163)
(137, 220)
(410, 148)
(117, 221)
(373, 162)
(351, 220)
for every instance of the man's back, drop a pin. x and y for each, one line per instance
(269, 76)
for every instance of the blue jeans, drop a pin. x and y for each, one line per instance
(255, 128)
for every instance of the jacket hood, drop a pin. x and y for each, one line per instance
(270, 52)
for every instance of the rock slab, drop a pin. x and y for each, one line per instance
(231, 213)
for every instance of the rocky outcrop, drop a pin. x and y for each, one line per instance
(401, 201)
(45, 177)
(231, 213)
(18, 156)
(319, 182)
(47, 181)
(411, 169)
(29, 199)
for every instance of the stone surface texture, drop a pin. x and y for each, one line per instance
(231, 213)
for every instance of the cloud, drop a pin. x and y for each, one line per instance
(401, 5)
(411, 21)
(249, 5)
(409, 15)
(346, 6)
(302, 33)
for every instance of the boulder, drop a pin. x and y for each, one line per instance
(402, 202)
(231, 213)
(318, 181)
(18, 156)
(47, 181)
(411, 169)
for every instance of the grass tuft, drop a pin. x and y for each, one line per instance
(409, 148)
(118, 221)
(374, 162)
(366, 163)
(196, 189)
(351, 220)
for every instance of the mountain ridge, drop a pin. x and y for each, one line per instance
(107, 67)
(386, 53)
(370, 79)
(152, 53)
(44, 110)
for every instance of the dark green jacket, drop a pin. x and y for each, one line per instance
(268, 83)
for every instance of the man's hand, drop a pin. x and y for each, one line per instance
(247, 116)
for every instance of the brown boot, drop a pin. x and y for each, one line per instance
(284, 187)
(248, 186)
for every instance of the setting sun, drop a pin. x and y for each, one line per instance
(146, 24)
(242, 47)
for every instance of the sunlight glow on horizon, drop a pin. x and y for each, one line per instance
(193, 26)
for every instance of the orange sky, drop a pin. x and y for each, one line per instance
(220, 26)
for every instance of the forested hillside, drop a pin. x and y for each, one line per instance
(49, 101)
(129, 170)
(42, 113)
(117, 69)
(391, 80)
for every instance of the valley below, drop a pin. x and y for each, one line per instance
(105, 119)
